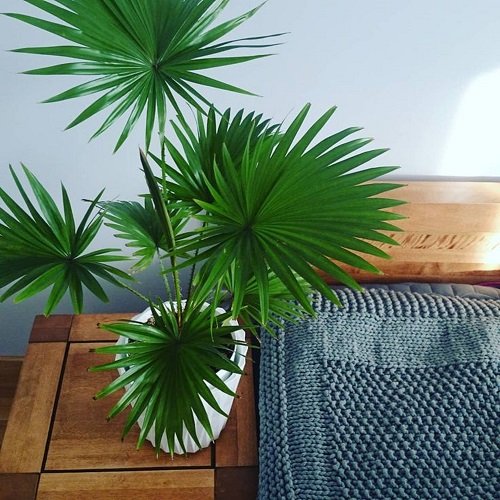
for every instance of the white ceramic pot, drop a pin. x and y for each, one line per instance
(217, 421)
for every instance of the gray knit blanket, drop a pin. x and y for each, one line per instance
(393, 396)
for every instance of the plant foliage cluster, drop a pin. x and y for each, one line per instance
(274, 203)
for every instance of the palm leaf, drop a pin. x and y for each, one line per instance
(202, 152)
(42, 248)
(290, 206)
(142, 54)
(140, 225)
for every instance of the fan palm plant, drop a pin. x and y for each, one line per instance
(273, 204)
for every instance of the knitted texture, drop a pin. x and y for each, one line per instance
(392, 396)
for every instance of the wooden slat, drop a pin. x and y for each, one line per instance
(25, 439)
(236, 483)
(10, 368)
(472, 245)
(450, 218)
(81, 436)
(479, 250)
(448, 192)
(139, 485)
(54, 328)
(466, 256)
(85, 327)
(18, 486)
(237, 445)
(424, 272)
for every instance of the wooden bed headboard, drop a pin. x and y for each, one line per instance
(452, 234)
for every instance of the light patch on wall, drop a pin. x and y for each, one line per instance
(493, 257)
(472, 146)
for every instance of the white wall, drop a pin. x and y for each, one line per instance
(422, 77)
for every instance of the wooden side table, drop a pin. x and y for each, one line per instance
(58, 444)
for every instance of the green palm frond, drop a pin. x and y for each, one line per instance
(43, 248)
(276, 299)
(144, 54)
(140, 225)
(202, 151)
(137, 223)
(167, 368)
(292, 208)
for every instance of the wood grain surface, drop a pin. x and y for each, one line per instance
(236, 483)
(83, 439)
(137, 485)
(237, 445)
(53, 328)
(85, 327)
(10, 368)
(29, 421)
(451, 234)
(18, 486)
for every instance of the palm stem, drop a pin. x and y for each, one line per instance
(173, 259)
(193, 270)
(134, 291)
(160, 201)
(165, 278)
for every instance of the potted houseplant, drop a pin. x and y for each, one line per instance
(273, 205)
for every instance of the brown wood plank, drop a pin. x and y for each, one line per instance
(18, 486)
(81, 436)
(450, 247)
(464, 255)
(25, 439)
(450, 218)
(237, 444)
(85, 327)
(479, 250)
(452, 234)
(448, 192)
(424, 272)
(240, 483)
(10, 368)
(54, 328)
(139, 485)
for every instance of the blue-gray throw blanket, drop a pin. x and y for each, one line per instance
(392, 396)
